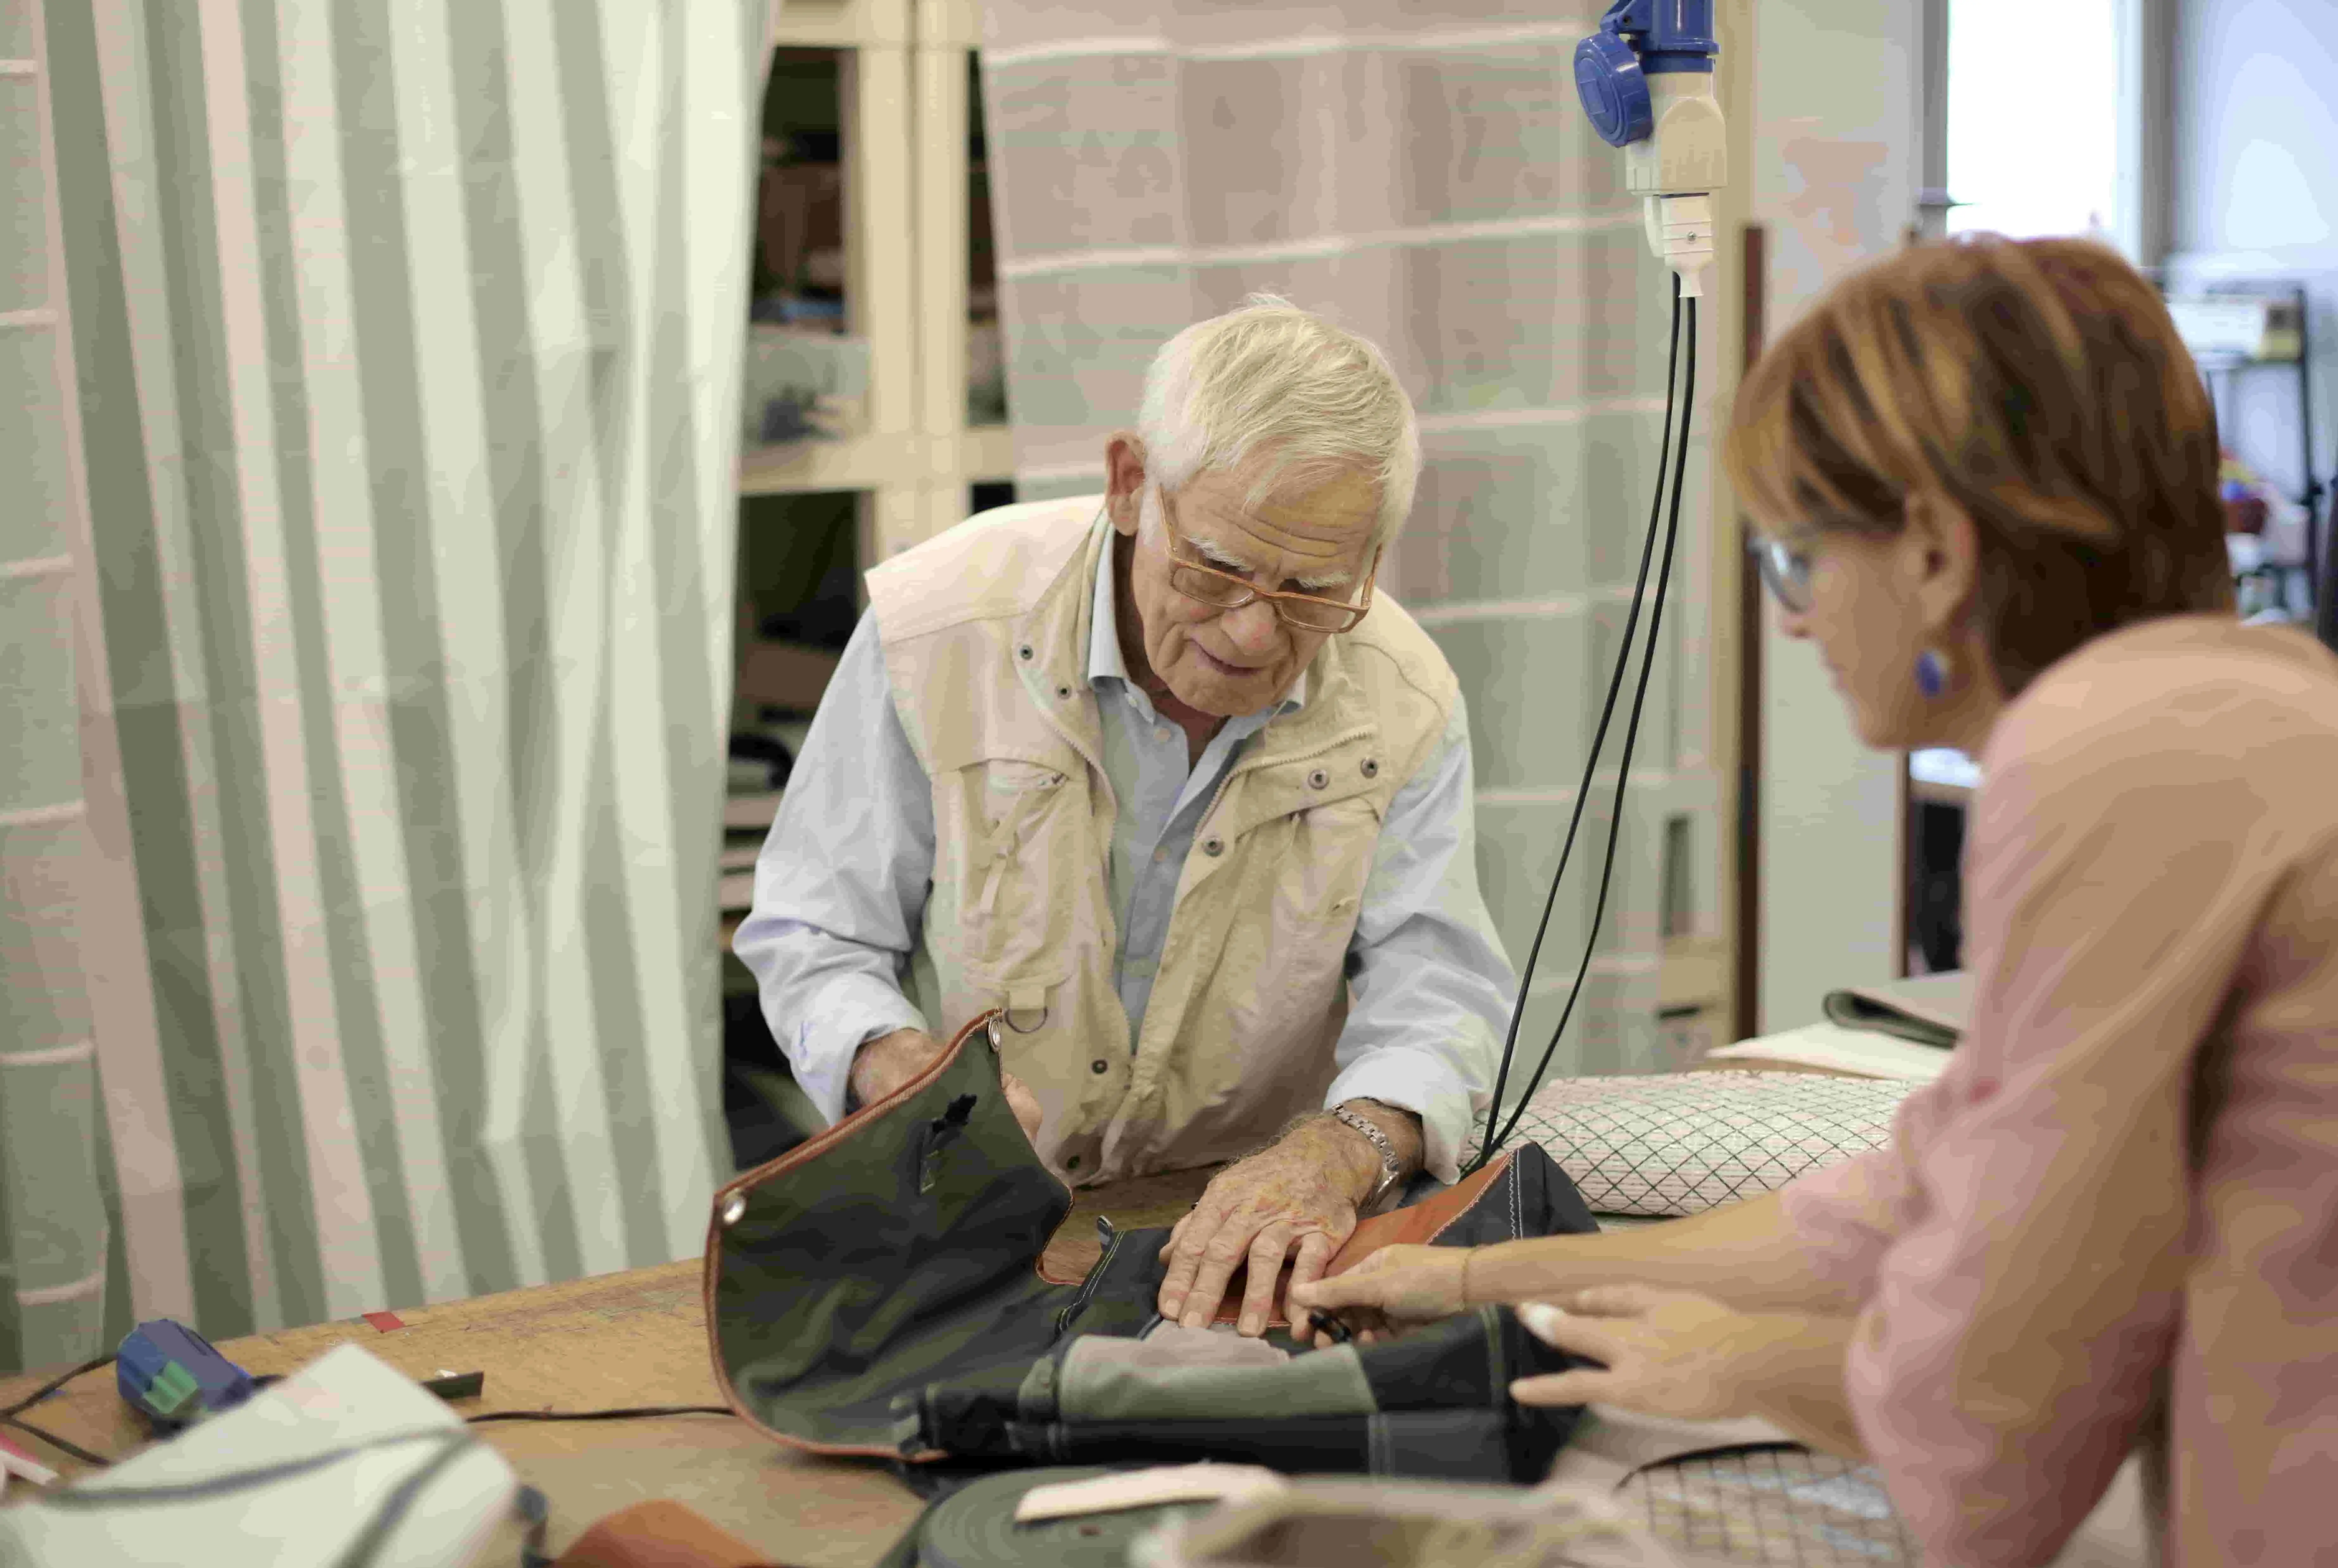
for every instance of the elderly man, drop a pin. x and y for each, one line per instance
(1159, 775)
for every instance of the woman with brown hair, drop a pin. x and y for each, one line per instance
(1984, 477)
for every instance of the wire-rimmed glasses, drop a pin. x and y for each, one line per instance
(1224, 591)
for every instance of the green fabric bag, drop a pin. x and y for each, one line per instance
(877, 1292)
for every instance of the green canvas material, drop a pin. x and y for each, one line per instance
(1088, 1389)
(877, 1291)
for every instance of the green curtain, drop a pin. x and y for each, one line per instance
(366, 617)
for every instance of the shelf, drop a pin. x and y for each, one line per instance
(743, 813)
(841, 23)
(1692, 974)
(1942, 777)
(804, 468)
(737, 892)
(739, 857)
(989, 454)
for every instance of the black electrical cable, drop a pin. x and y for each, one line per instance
(1606, 716)
(53, 1441)
(1631, 735)
(53, 1384)
(642, 1413)
(10, 1416)
(96, 1498)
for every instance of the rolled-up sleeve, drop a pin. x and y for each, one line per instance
(1429, 983)
(2007, 1357)
(840, 884)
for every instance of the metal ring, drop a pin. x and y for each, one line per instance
(1317, 780)
(1009, 1014)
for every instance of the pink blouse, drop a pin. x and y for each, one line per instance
(2118, 1205)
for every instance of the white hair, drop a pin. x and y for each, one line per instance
(1304, 397)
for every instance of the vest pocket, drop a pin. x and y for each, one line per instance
(1322, 864)
(1009, 839)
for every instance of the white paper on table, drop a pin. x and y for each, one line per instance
(344, 1397)
(1202, 1483)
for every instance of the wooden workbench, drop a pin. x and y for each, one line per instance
(635, 1338)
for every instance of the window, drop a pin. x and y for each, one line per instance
(2033, 116)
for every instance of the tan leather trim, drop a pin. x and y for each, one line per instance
(1414, 1226)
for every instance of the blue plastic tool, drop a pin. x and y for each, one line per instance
(171, 1375)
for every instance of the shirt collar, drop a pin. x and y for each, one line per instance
(1104, 662)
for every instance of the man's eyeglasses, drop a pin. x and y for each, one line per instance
(1224, 591)
(1786, 570)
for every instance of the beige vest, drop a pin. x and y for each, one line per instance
(986, 636)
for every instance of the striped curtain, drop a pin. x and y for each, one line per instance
(1421, 173)
(367, 632)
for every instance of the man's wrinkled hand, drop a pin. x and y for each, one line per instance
(1296, 1199)
(885, 1065)
(1396, 1289)
(1023, 1102)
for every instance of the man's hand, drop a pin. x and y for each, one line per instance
(1679, 1354)
(886, 1063)
(1299, 1194)
(1395, 1289)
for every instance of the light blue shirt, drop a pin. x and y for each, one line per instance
(841, 889)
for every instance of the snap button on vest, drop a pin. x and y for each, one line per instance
(1063, 691)
(1099, 1067)
(1371, 768)
(1213, 846)
(1023, 652)
(1317, 780)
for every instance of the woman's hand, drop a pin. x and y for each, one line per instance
(1395, 1289)
(1679, 1354)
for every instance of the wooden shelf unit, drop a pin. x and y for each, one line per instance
(904, 69)
(909, 115)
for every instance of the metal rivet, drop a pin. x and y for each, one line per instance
(733, 1206)
(1099, 1067)
(1317, 780)
(1063, 691)
(1371, 768)
(1213, 846)
(1023, 652)
(1072, 1163)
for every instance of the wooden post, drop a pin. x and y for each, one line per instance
(1754, 271)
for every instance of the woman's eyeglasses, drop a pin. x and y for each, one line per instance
(1224, 591)
(1786, 569)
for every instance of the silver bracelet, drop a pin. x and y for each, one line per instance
(1391, 1166)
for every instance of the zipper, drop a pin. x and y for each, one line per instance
(1078, 1303)
(1097, 776)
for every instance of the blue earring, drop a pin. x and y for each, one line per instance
(1932, 672)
